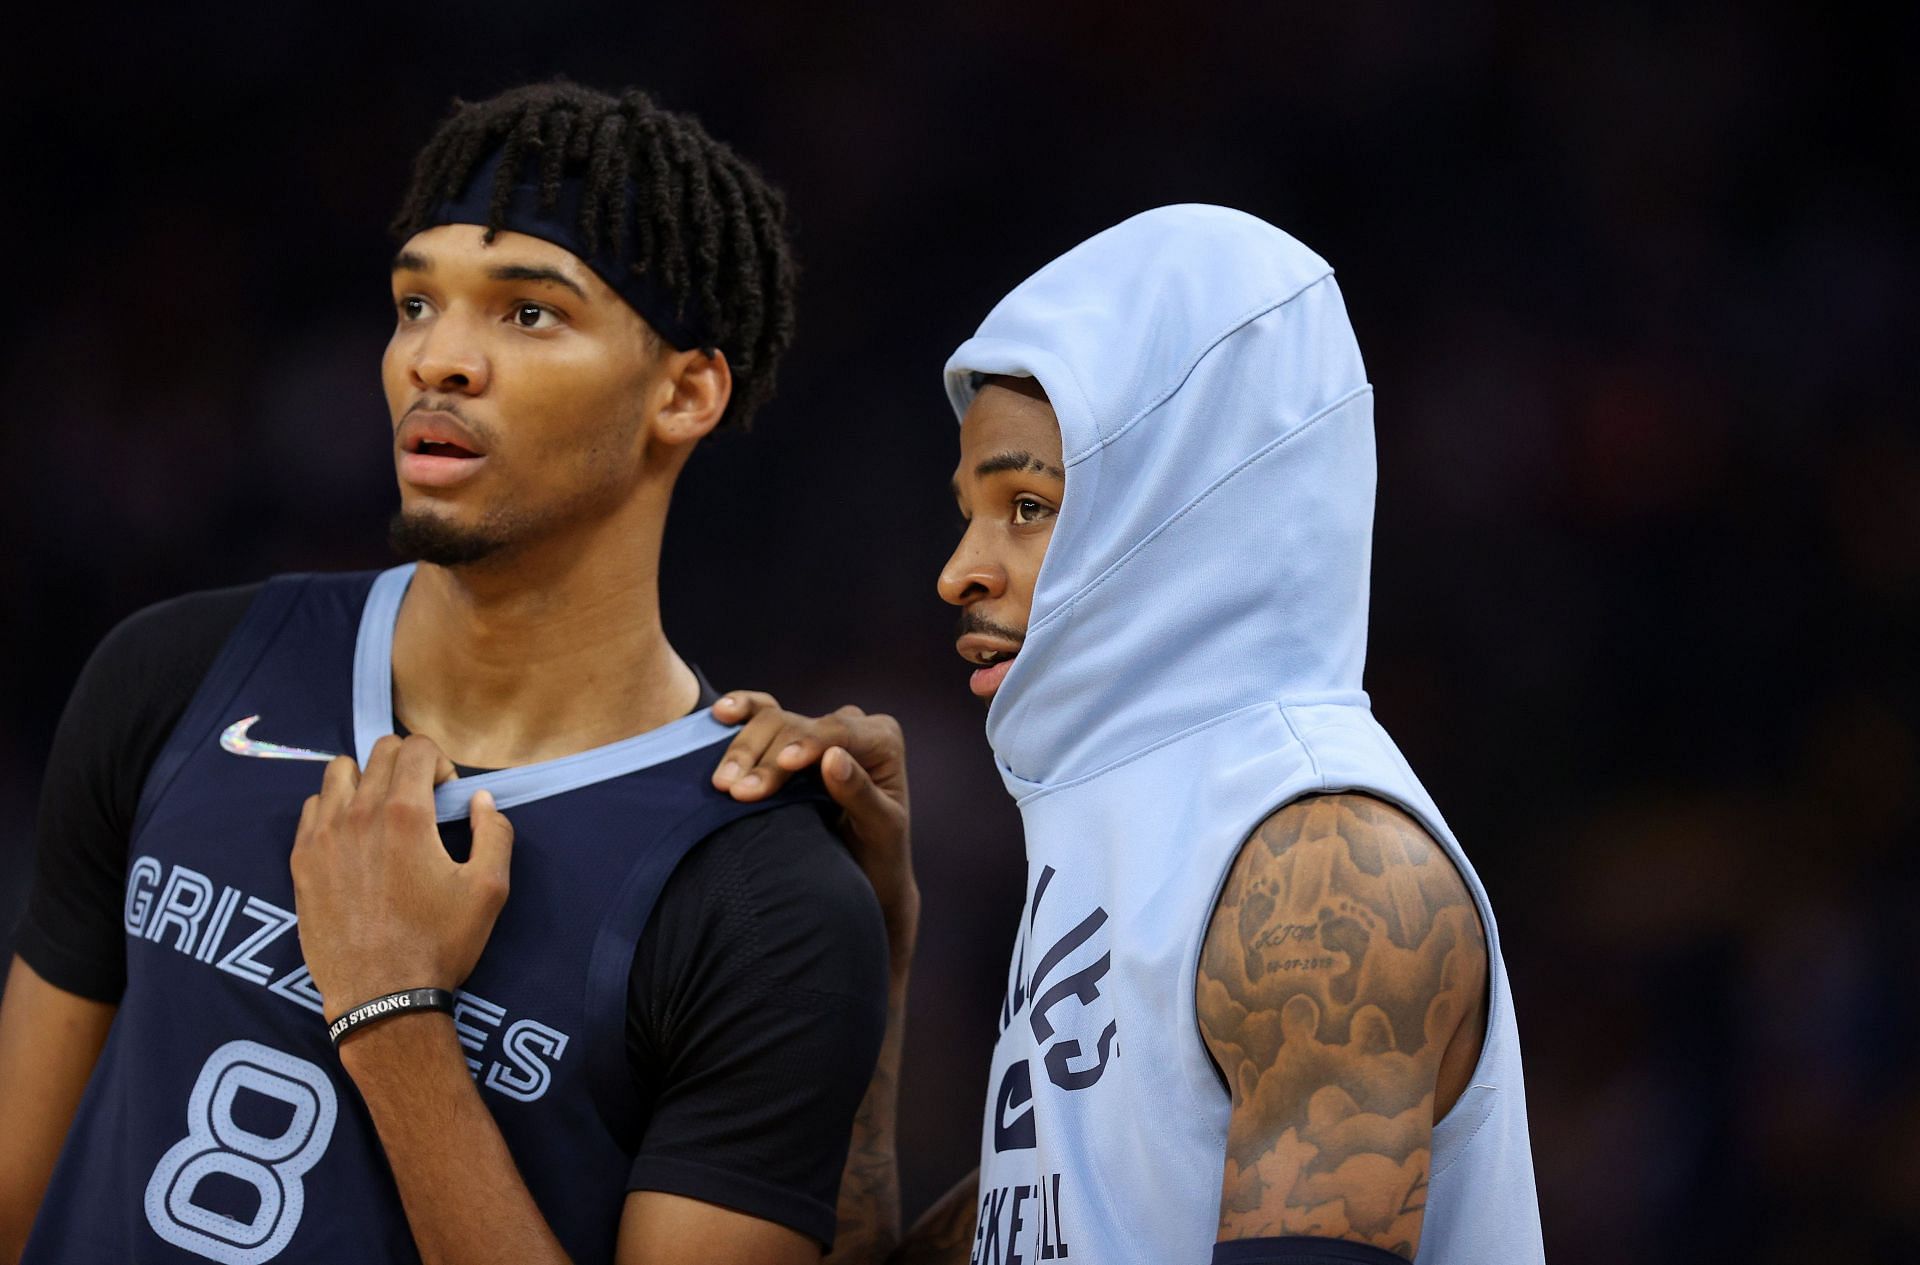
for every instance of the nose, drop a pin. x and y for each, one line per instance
(449, 358)
(971, 574)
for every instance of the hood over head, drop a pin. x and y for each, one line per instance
(1212, 549)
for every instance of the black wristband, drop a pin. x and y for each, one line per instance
(387, 1007)
(1293, 1250)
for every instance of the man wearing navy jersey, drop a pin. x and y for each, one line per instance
(587, 1006)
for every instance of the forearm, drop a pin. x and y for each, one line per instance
(464, 1199)
(944, 1233)
(869, 1208)
(49, 1042)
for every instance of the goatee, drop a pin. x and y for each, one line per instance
(421, 537)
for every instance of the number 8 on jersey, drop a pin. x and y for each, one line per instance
(217, 1143)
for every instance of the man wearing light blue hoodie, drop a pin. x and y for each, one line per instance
(1256, 1004)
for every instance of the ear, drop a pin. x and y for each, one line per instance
(696, 385)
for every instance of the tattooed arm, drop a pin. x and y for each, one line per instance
(869, 1211)
(869, 1208)
(1342, 992)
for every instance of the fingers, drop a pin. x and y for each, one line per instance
(378, 775)
(492, 857)
(844, 777)
(303, 835)
(396, 786)
(776, 753)
(874, 819)
(416, 770)
(338, 783)
(775, 744)
(877, 743)
(739, 706)
(769, 748)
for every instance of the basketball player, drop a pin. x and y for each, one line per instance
(1256, 1004)
(585, 1006)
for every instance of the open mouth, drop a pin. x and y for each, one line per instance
(986, 681)
(438, 449)
(438, 463)
(441, 448)
(991, 655)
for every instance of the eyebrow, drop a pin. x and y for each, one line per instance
(1001, 462)
(412, 261)
(532, 272)
(1012, 459)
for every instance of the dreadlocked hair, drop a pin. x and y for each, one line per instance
(703, 225)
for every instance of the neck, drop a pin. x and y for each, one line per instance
(555, 649)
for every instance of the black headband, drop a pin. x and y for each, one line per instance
(560, 224)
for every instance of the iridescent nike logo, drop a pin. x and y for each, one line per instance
(235, 739)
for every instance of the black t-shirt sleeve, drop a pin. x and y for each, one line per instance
(128, 699)
(758, 1000)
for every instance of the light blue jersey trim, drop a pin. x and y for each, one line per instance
(373, 720)
(373, 661)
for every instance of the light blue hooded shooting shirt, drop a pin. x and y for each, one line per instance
(1192, 664)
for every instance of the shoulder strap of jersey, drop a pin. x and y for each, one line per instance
(244, 647)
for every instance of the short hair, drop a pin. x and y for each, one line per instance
(702, 224)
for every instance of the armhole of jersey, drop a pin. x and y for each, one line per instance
(1190, 983)
(244, 647)
(609, 1076)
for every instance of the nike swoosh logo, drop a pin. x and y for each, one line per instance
(234, 739)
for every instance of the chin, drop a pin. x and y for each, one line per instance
(420, 535)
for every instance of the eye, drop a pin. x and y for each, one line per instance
(534, 316)
(412, 307)
(1027, 510)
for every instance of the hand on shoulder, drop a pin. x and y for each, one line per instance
(863, 761)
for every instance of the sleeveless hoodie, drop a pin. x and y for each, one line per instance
(1192, 664)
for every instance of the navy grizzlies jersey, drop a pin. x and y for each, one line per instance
(219, 1125)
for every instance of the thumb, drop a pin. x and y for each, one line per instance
(492, 836)
(871, 816)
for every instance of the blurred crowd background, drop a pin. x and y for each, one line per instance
(1635, 284)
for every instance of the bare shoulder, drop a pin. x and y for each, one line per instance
(1340, 991)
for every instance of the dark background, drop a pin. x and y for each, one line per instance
(1635, 288)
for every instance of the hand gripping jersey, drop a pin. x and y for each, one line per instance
(1192, 664)
(219, 1125)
